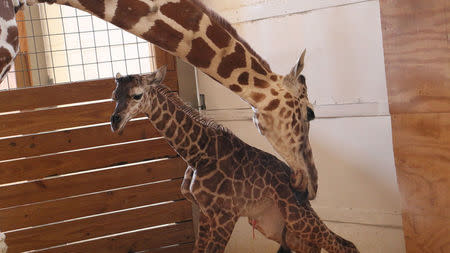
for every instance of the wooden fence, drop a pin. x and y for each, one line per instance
(68, 184)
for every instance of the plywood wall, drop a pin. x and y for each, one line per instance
(417, 57)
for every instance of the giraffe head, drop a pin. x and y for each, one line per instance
(285, 123)
(131, 96)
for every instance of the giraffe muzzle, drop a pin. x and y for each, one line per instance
(115, 122)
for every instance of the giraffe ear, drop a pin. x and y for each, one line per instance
(118, 75)
(298, 68)
(160, 74)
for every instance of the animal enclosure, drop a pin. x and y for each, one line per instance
(67, 183)
(60, 44)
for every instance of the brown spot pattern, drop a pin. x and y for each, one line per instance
(235, 88)
(259, 83)
(274, 77)
(96, 7)
(290, 103)
(201, 53)
(129, 12)
(232, 62)
(218, 35)
(13, 37)
(184, 13)
(243, 78)
(214, 181)
(179, 116)
(272, 105)
(164, 36)
(257, 97)
(6, 13)
(257, 67)
(5, 58)
(171, 130)
(274, 92)
(287, 95)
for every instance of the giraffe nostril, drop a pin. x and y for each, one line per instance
(115, 118)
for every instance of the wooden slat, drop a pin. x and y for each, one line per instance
(61, 187)
(33, 145)
(56, 211)
(417, 55)
(78, 230)
(422, 156)
(184, 248)
(53, 119)
(59, 164)
(150, 239)
(52, 95)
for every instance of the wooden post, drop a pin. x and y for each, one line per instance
(22, 62)
(163, 58)
(417, 58)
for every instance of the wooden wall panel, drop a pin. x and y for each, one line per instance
(60, 94)
(86, 205)
(426, 233)
(47, 143)
(60, 164)
(422, 156)
(87, 189)
(177, 249)
(92, 227)
(43, 190)
(417, 57)
(415, 39)
(139, 241)
(54, 119)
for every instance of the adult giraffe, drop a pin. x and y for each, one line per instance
(191, 31)
(9, 34)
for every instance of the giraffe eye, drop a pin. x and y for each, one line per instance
(137, 97)
(310, 114)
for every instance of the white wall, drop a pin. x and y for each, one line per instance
(351, 139)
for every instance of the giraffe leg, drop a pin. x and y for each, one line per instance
(203, 234)
(185, 186)
(271, 225)
(221, 233)
(298, 245)
(306, 225)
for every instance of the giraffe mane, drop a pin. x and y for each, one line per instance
(190, 112)
(222, 22)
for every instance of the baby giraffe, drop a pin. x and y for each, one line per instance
(226, 177)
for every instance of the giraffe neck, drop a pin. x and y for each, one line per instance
(186, 131)
(9, 39)
(189, 30)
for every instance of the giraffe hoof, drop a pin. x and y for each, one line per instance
(283, 250)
